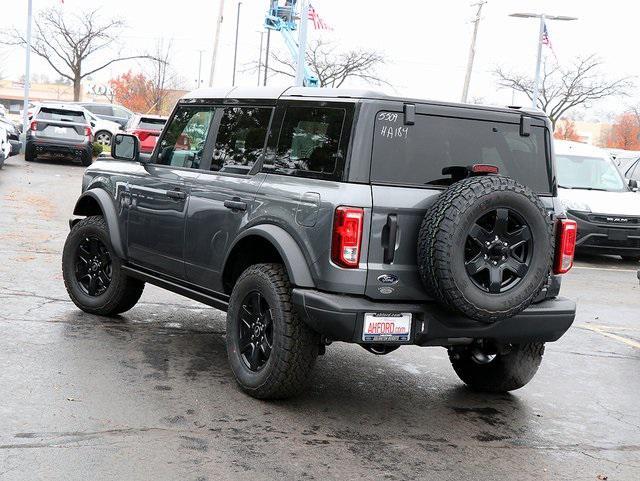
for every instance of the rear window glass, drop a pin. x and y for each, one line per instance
(61, 115)
(151, 124)
(310, 143)
(416, 154)
(99, 109)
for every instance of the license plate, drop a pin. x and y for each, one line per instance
(385, 327)
(60, 130)
(617, 235)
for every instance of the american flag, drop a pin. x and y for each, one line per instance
(318, 23)
(545, 40)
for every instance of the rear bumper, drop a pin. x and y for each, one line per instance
(341, 318)
(61, 148)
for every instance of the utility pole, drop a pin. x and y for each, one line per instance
(266, 57)
(302, 43)
(472, 51)
(235, 48)
(216, 41)
(260, 58)
(27, 76)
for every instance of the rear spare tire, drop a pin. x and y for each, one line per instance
(485, 248)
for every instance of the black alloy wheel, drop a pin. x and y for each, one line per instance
(498, 250)
(93, 266)
(256, 331)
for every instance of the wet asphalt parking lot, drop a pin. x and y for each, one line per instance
(150, 395)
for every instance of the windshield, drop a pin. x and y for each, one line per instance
(591, 173)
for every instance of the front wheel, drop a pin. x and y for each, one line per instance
(92, 272)
(491, 371)
(271, 351)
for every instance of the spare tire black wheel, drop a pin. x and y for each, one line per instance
(485, 248)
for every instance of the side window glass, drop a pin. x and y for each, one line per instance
(185, 137)
(309, 143)
(118, 112)
(241, 138)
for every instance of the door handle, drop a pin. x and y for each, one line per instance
(389, 236)
(235, 204)
(176, 194)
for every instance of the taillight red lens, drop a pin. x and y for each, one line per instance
(141, 134)
(565, 245)
(347, 236)
(87, 132)
(34, 126)
(484, 169)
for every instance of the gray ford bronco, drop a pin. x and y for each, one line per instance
(315, 215)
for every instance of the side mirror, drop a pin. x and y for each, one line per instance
(125, 147)
(633, 184)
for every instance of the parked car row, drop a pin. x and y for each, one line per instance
(69, 129)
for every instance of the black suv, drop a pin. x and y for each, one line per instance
(316, 215)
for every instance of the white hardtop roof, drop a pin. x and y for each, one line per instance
(567, 147)
(274, 93)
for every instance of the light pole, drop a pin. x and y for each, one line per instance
(472, 51)
(266, 57)
(542, 17)
(216, 41)
(27, 76)
(302, 43)
(199, 68)
(235, 48)
(260, 57)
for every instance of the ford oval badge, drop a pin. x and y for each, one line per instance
(388, 278)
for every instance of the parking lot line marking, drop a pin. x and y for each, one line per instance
(613, 328)
(614, 269)
(628, 342)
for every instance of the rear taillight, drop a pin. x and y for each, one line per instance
(87, 132)
(141, 134)
(565, 245)
(34, 126)
(347, 236)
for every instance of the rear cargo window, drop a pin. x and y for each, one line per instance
(151, 124)
(416, 154)
(61, 115)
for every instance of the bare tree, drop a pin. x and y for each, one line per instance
(331, 67)
(162, 78)
(68, 41)
(564, 88)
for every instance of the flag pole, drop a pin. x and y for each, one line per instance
(536, 82)
(302, 43)
(27, 76)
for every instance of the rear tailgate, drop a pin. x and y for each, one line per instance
(60, 130)
(406, 178)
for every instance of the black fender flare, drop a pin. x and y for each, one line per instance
(85, 207)
(289, 250)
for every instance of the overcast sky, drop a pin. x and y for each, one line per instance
(426, 42)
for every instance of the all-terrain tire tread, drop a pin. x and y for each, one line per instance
(435, 235)
(125, 290)
(507, 372)
(293, 363)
